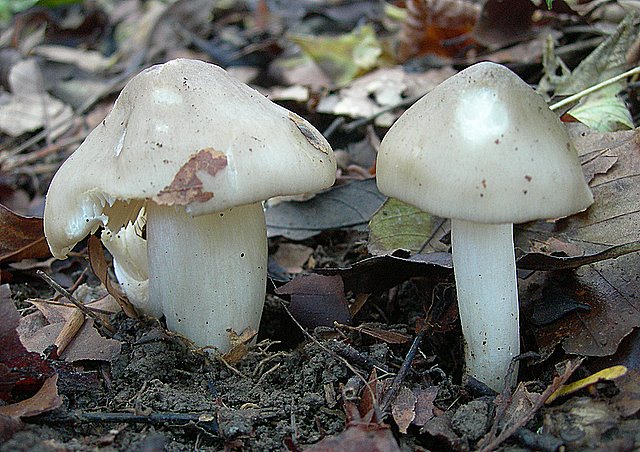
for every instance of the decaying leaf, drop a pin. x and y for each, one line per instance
(343, 207)
(239, 345)
(343, 57)
(603, 110)
(101, 270)
(22, 237)
(85, 344)
(359, 436)
(437, 27)
(292, 256)
(403, 409)
(46, 399)
(398, 225)
(373, 94)
(496, 29)
(21, 371)
(29, 107)
(317, 300)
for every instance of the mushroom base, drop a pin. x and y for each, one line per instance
(208, 273)
(484, 267)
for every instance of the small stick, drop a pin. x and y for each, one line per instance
(205, 421)
(69, 331)
(105, 327)
(391, 394)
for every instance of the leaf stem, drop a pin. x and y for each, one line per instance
(591, 89)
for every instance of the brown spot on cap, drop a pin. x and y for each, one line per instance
(528, 178)
(186, 186)
(310, 135)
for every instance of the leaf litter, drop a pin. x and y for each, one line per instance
(285, 389)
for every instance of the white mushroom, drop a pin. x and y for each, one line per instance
(484, 150)
(199, 152)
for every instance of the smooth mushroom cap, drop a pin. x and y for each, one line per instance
(483, 147)
(183, 133)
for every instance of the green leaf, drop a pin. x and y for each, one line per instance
(549, 4)
(398, 225)
(343, 57)
(603, 110)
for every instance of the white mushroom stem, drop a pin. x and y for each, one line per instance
(208, 272)
(485, 271)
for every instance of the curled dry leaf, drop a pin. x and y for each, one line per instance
(22, 237)
(21, 371)
(437, 27)
(101, 270)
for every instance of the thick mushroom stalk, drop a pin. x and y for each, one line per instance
(199, 151)
(485, 271)
(229, 251)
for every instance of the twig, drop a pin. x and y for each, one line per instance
(591, 89)
(391, 394)
(204, 421)
(105, 327)
(491, 441)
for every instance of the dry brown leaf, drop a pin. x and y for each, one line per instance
(239, 345)
(359, 436)
(22, 237)
(46, 399)
(292, 256)
(403, 408)
(432, 26)
(424, 404)
(101, 270)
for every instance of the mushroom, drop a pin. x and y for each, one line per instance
(484, 149)
(193, 153)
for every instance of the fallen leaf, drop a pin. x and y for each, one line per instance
(403, 409)
(317, 300)
(292, 256)
(380, 273)
(610, 373)
(602, 110)
(21, 371)
(101, 270)
(439, 27)
(343, 57)
(22, 237)
(398, 225)
(29, 107)
(440, 428)
(46, 399)
(373, 94)
(424, 404)
(239, 345)
(86, 344)
(342, 207)
(496, 29)
(359, 436)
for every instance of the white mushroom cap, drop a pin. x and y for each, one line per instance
(483, 147)
(183, 133)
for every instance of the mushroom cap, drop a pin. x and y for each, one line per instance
(483, 147)
(183, 133)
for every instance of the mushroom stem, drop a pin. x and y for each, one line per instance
(485, 271)
(208, 273)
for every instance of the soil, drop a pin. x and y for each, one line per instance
(288, 392)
